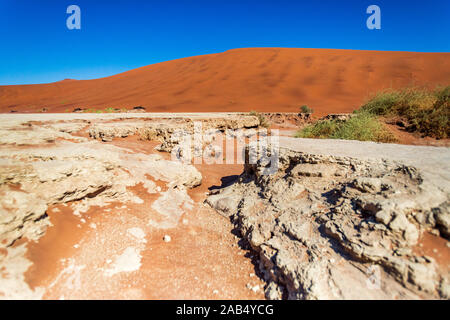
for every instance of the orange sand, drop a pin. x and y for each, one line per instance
(262, 79)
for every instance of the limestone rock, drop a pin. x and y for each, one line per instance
(322, 235)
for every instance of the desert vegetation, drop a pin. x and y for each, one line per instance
(424, 111)
(362, 126)
(262, 119)
(306, 109)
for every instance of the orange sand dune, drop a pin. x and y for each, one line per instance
(262, 79)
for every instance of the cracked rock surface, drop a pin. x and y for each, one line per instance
(85, 218)
(337, 220)
(328, 225)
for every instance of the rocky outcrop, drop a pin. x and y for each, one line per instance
(288, 119)
(163, 130)
(331, 227)
(44, 164)
(20, 214)
(33, 178)
(337, 117)
(26, 133)
(106, 132)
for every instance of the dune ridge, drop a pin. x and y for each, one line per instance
(262, 79)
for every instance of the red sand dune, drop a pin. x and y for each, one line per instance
(262, 79)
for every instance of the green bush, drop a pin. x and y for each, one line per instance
(426, 111)
(362, 126)
(110, 110)
(306, 109)
(320, 129)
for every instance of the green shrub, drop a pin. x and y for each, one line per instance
(320, 129)
(306, 109)
(363, 126)
(426, 111)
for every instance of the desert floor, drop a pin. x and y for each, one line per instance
(91, 210)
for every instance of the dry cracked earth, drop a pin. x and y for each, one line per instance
(93, 207)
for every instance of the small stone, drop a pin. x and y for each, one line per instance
(421, 218)
(422, 275)
(255, 289)
(420, 259)
(411, 234)
(383, 217)
(273, 292)
(403, 252)
(379, 226)
(444, 289)
(367, 184)
(435, 232)
(167, 238)
(400, 223)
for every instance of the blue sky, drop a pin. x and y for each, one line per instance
(119, 35)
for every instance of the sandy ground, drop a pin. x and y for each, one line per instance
(113, 253)
(262, 79)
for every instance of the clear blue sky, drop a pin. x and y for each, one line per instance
(119, 35)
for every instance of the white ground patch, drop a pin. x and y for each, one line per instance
(171, 205)
(138, 233)
(70, 276)
(129, 260)
(12, 279)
